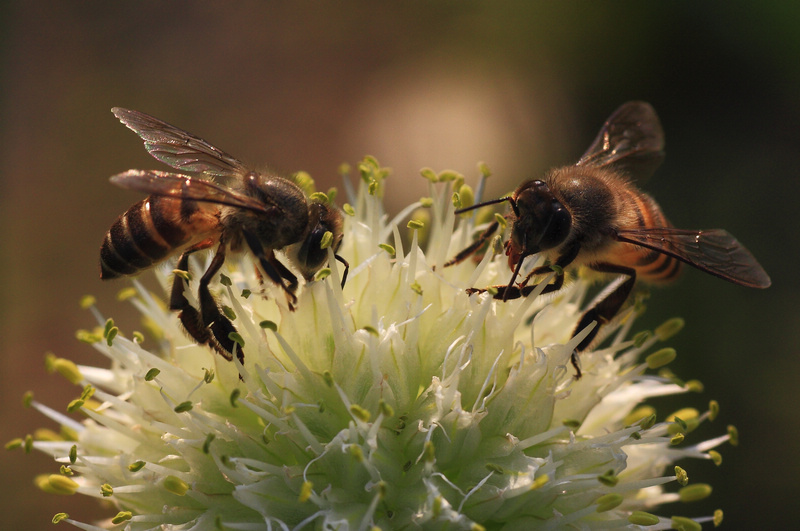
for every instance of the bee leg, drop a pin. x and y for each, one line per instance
(510, 292)
(190, 317)
(290, 277)
(605, 308)
(274, 269)
(557, 284)
(515, 291)
(346, 265)
(213, 319)
(473, 248)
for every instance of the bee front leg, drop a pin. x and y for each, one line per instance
(346, 265)
(510, 292)
(287, 275)
(515, 291)
(473, 248)
(274, 269)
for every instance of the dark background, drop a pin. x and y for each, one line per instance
(308, 85)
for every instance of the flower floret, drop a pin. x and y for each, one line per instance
(396, 401)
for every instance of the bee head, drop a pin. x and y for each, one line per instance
(542, 222)
(309, 255)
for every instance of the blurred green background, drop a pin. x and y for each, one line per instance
(308, 85)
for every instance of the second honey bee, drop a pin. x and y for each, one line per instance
(184, 214)
(592, 214)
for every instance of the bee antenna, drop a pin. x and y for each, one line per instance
(485, 203)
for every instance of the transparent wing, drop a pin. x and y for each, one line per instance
(184, 187)
(179, 149)
(631, 141)
(714, 251)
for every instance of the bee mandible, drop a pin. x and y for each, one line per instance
(593, 214)
(231, 207)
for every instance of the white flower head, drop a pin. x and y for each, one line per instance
(396, 402)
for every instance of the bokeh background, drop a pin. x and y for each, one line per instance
(307, 85)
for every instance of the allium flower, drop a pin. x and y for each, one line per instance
(398, 402)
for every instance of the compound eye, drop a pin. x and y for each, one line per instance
(559, 222)
(312, 255)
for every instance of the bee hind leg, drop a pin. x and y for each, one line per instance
(605, 308)
(207, 326)
(213, 319)
(190, 317)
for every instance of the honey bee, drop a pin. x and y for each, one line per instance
(183, 214)
(592, 214)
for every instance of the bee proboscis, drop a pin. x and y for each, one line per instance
(593, 214)
(231, 207)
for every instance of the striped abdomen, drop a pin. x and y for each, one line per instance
(151, 230)
(650, 265)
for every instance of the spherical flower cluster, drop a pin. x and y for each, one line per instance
(396, 402)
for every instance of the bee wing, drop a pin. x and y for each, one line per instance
(184, 187)
(714, 251)
(631, 141)
(177, 148)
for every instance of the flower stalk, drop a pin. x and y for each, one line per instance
(397, 402)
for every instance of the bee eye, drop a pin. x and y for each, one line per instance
(312, 254)
(543, 222)
(557, 227)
